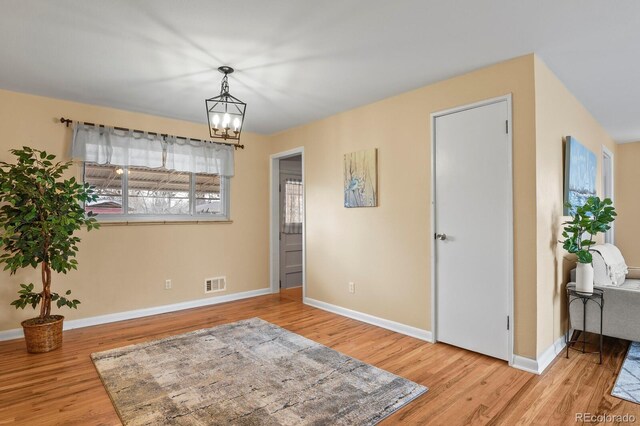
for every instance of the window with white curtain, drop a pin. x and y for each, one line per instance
(142, 177)
(293, 206)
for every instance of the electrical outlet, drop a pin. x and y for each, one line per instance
(167, 284)
(352, 287)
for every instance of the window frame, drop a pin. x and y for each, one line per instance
(223, 216)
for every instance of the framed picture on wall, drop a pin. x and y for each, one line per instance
(361, 178)
(579, 174)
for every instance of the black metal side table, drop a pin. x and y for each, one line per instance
(596, 297)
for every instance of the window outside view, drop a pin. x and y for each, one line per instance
(153, 192)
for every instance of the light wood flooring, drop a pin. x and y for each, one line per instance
(63, 388)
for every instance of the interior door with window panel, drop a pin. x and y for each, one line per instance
(290, 240)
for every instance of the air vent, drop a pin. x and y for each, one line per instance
(213, 285)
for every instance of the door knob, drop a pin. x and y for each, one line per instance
(441, 237)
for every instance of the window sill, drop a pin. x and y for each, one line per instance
(165, 222)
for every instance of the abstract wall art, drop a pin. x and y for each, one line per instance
(361, 178)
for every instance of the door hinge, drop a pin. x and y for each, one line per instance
(506, 126)
(279, 187)
(508, 325)
(280, 283)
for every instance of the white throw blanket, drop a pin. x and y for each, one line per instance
(615, 267)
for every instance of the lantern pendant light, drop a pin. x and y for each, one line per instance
(225, 113)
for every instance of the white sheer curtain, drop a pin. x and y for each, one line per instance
(293, 206)
(106, 145)
(199, 157)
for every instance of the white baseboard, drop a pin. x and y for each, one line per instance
(537, 366)
(15, 333)
(418, 333)
(525, 364)
(138, 313)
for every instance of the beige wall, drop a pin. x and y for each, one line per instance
(558, 114)
(386, 250)
(124, 267)
(627, 197)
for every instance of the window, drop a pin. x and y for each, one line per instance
(293, 206)
(144, 194)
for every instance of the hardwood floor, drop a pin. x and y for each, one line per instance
(62, 387)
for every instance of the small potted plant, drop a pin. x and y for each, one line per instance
(594, 217)
(40, 213)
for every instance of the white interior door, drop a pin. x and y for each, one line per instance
(473, 220)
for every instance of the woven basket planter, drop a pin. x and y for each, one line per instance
(43, 337)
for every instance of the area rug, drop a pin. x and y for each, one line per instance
(250, 372)
(628, 383)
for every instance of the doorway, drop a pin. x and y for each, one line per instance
(473, 228)
(608, 188)
(287, 252)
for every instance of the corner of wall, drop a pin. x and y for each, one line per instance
(525, 172)
(557, 114)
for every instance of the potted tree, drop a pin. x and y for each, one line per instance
(40, 213)
(594, 217)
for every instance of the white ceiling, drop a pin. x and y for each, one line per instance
(301, 60)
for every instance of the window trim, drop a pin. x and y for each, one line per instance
(223, 216)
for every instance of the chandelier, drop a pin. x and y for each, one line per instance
(225, 113)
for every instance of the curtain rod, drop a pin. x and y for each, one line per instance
(67, 121)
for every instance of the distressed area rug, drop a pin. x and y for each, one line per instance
(250, 372)
(628, 382)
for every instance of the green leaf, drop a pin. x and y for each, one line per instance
(592, 218)
(40, 211)
(584, 256)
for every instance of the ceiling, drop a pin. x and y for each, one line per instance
(301, 60)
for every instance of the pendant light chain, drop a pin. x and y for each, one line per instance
(224, 86)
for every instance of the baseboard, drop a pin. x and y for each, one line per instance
(139, 313)
(15, 333)
(537, 366)
(418, 333)
(525, 364)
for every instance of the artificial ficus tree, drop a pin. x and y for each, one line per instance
(594, 217)
(40, 212)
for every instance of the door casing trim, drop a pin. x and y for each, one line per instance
(274, 219)
(607, 152)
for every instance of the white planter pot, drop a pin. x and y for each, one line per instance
(584, 278)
